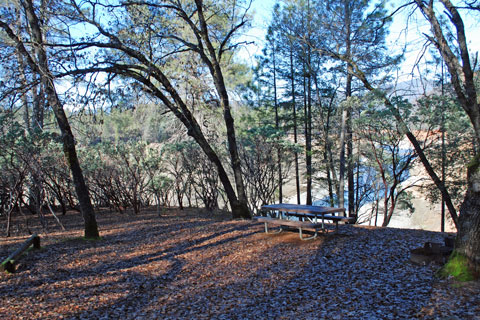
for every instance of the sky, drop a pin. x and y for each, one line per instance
(262, 10)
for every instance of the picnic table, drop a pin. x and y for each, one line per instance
(307, 217)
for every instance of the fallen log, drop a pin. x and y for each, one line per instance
(9, 263)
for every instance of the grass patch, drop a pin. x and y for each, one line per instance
(458, 268)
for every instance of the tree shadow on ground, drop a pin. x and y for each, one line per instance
(123, 268)
(142, 286)
(201, 268)
(345, 277)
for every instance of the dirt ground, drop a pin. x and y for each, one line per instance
(195, 265)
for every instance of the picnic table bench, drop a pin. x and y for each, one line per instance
(309, 217)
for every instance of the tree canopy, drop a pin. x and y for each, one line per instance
(154, 106)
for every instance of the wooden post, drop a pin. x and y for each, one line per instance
(9, 263)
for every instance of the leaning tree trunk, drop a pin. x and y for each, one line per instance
(457, 58)
(468, 234)
(240, 206)
(91, 228)
(41, 67)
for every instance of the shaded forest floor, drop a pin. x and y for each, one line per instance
(191, 265)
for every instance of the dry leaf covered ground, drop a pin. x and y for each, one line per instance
(188, 265)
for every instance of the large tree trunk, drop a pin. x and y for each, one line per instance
(91, 228)
(468, 235)
(241, 205)
(386, 219)
(348, 94)
(86, 208)
(239, 210)
(457, 59)
(350, 173)
(24, 98)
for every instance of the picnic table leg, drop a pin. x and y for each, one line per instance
(307, 238)
(266, 229)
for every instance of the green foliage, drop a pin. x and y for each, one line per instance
(458, 268)
(15, 137)
(120, 175)
(133, 152)
(405, 202)
(192, 172)
(261, 146)
(442, 112)
(29, 161)
(384, 149)
(139, 122)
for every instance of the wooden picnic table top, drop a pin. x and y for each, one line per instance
(302, 208)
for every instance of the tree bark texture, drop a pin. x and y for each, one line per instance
(468, 235)
(327, 154)
(348, 94)
(308, 110)
(241, 207)
(350, 171)
(457, 59)
(41, 67)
